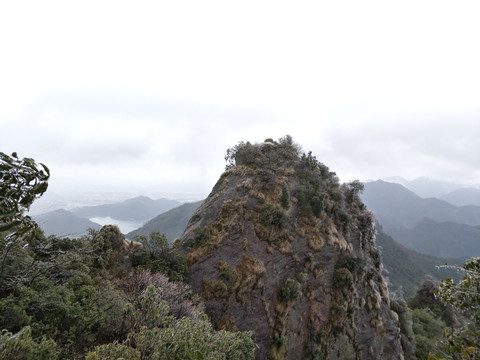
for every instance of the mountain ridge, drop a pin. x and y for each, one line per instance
(140, 208)
(63, 223)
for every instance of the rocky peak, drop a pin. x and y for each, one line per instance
(281, 248)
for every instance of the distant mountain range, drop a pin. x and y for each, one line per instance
(425, 187)
(172, 223)
(411, 227)
(75, 222)
(430, 225)
(442, 239)
(64, 223)
(139, 208)
(397, 207)
(407, 268)
(463, 197)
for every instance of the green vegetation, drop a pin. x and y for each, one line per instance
(271, 153)
(407, 268)
(163, 257)
(21, 182)
(271, 215)
(22, 346)
(62, 298)
(285, 198)
(464, 297)
(442, 321)
(202, 236)
(228, 276)
(290, 291)
(158, 335)
(171, 223)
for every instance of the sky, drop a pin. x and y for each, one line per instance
(144, 97)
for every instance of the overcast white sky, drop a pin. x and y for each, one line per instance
(142, 96)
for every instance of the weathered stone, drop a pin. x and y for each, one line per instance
(253, 244)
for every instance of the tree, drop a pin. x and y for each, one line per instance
(464, 296)
(21, 182)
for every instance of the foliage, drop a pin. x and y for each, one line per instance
(290, 291)
(56, 289)
(428, 330)
(22, 346)
(285, 198)
(464, 296)
(202, 236)
(113, 350)
(158, 335)
(353, 264)
(353, 190)
(228, 276)
(315, 180)
(271, 215)
(163, 257)
(342, 279)
(266, 154)
(21, 182)
(429, 318)
(240, 154)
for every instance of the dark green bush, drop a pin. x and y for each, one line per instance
(22, 346)
(202, 236)
(162, 256)
(290, 291)
(353, 264)
(285, 198)
(228, 276)
(271, 215)
(342, 279)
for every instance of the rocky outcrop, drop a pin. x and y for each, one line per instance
(281, 248)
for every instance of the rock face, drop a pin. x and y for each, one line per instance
(281, 248)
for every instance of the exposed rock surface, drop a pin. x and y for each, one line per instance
(280, 248)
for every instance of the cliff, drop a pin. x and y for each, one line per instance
(281, 248)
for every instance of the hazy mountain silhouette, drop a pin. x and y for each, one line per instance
(396, 207)
(64, 223)
(407, 268)
(172, 223)
(463, 197)
(442, 239)
(139, 208)
(429, 226)
(425, 187)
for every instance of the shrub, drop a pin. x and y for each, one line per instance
(342, 279)
(113, 351)
(271, 215)
(353, 264)
(290, 291)
(228, 276)
(22, 346)
(285, 198)
(162, 257)
(202, 236)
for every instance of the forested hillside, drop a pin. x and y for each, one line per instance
(96, 297)
(171, 223)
